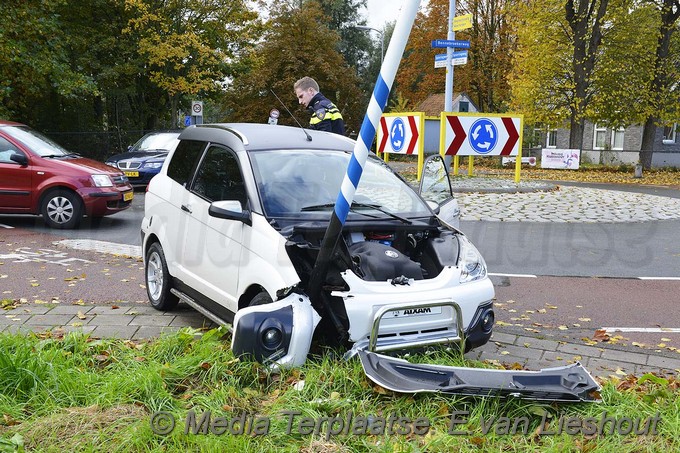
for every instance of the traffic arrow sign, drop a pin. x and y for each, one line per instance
(465, 134)
(401, 133)
(459, 135)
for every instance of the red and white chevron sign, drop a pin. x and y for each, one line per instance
(464, 134)
(401, 133)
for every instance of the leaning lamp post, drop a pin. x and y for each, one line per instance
(382, 39)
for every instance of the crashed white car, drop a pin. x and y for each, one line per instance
(234, 221)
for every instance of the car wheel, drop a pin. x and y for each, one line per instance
(158, 279)
(62, 209)
(262, 298)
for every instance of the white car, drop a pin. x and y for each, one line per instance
(234, 221)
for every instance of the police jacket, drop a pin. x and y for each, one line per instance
(325, 115)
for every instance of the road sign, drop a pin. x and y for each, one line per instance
(473, 135)
(462, 22)
(401, 133)
(444, 43)
(457, 58)
(273, 117)
(197, 108)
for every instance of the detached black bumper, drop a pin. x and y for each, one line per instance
(570, 383)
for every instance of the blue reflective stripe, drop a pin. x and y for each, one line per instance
(367, 132)
(381, 92)
(341, 208)
(354, 171)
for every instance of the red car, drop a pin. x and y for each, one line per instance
(38, 176)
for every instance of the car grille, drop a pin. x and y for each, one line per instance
(127, 165)
(120, 180)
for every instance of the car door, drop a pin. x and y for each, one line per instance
(213, 246)
(15, 179)
(435, 186)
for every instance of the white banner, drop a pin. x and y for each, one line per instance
(565, 159)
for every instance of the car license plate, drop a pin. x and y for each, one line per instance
(127, 196)
(408, 312)
(132, 174)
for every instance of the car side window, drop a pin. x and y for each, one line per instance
(7, 150)
(219, 178)
(184, 160)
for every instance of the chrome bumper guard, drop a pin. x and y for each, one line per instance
(453, 334)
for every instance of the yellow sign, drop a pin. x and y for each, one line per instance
(127, 196)
(462, 22)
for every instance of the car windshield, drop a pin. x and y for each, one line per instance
(305, 183)
(154, 142)
(37, 142)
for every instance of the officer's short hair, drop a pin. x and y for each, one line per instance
(306, 83)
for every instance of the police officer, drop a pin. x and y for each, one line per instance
(325, 115)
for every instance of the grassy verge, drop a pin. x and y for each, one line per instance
(77, 394)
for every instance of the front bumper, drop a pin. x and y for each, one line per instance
(103, 201)
(424, 312)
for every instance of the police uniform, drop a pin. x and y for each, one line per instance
(325, 115)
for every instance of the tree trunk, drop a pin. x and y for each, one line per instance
(670, 12)
(576, 133)
(647, 145)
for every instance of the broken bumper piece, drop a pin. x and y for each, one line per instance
(570, 383)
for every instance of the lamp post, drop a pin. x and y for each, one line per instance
(382, 39)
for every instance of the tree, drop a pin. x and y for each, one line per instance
(665, 78)
(557, 56)
(191, 47)
(484, 77)
(34, 59)
(297, 43)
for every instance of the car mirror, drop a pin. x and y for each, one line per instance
(19, 158)
(230, 210)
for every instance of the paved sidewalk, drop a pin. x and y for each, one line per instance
(137, 321)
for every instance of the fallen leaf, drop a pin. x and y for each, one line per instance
(504, 353)
(81, 315)
(665, 339)
(542, 310)
(563, 328)
(552, 307)
(661, 345)
(584, 319)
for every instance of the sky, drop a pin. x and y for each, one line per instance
(382, 11)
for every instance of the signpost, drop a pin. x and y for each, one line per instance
(402, 133)
(444, 43)
(464, 134)
(462, 22)
(274, 117)
(197, 111)
(457, 58)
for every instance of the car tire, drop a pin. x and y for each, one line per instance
(62, 209)
(158, 279)
(261, 298)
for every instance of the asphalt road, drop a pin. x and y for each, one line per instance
(572, 296)
(621, 250)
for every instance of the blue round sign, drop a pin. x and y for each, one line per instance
(397, 134)
(483, 136)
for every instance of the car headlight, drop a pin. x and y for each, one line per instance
(471, 263)
(112, 164)
(153, 165)
(102, 181)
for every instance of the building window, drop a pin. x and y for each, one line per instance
(551, 139)
(617, 138)
(599, 137)
(669, 133)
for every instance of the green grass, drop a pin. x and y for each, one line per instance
(77, 394)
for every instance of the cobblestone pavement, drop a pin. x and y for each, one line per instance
(503, 200)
